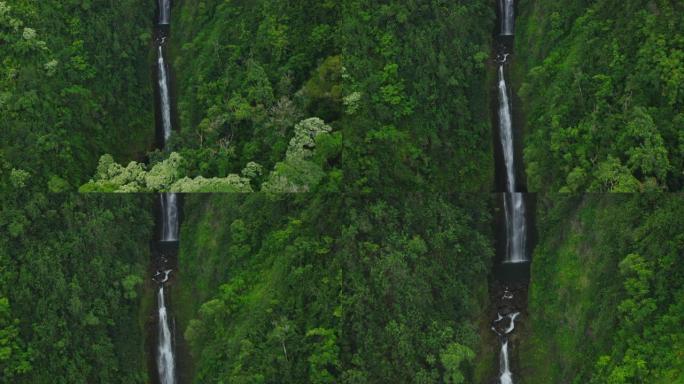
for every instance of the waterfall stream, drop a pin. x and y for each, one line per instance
(166, 364)
(169, 205)
(505, 374)
(507, 17)
(506, 128)
(516, 228)
(514, 202)
(168, 216)
(164, 11)
(164, 97)
(515, 253)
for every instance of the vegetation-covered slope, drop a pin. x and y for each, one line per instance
(603, 93)
(70, 274)
(416, 96)
(75, 84)
(247, 72)
(401, 85)
(607, 291)
(259, 94)
(322, 289)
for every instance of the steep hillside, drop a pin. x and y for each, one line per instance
(75, 85)
(71, 270)
(330, 289)
(403, 83)
(603, 92)
(247, 72)
(416, 95)
(607, 291)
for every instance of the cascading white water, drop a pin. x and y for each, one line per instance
(505, 375)
(169, 203)
(511, 324)
(165, 359)
(166, 364)
(514, 202)
(516, 228)
(507, 17)
(513, 199)
(506, 129)
(164, 11)
(164, 96)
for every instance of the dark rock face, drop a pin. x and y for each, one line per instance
(508, 298)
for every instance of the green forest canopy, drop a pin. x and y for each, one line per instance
(602, 87)
(75, 84)
(607, 291)
(322, 288)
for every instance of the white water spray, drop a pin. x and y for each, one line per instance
(505, 375)
(169, 205)
(164, 11)
(514, 202)
(507, 17)
(513, 199)
(164, 96)
(166, 364)
(506, 129)
(511, 324)
(516, 228)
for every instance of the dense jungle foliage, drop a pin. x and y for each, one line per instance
(325, 288)
(251, 79)
(74, 84)
(302, 169)
(400, 84)
(249, 71)
(607, 294)
(352, 121)
(603, 94)
(71, 270)
(415, 95)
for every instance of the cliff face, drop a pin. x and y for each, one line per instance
(605, 291)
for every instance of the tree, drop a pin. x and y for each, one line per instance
(323, 361)
(452, 359)
(15, 359)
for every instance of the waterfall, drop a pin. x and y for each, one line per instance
(514, 202)
(508, 328)
(164, 11)
(166, 365)
(166, 361)
(516, 227)
(169, 205)
(165, 358)
(511, 324)
(507, 17)
(505, 375)
(164, 96)
(506, 129)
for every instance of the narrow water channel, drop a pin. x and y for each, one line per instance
(509, 291)
(168, 217)
(166, 359)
